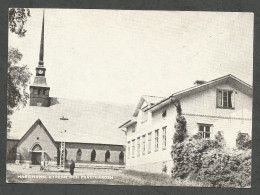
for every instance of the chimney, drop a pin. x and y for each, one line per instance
(199, 82)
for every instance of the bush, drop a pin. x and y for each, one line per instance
(208, 162)
(180, 126)
(187, 156)
(243, 141)
(220, 169)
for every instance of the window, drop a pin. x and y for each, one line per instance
(138, 147)
(156, 140)
(225, 99)
(164, 137)
(93, 155)
(78, 155)
(132, 127)
(46, 92)
(133, 148)
(128, 150)
(107, 156)
(149, 142)
(35, 91)
(121, 157)
(143, 145)
(204, 129)
(164, 114)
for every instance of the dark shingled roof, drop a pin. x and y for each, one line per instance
(89, 122)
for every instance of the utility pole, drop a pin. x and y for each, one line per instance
(62, 144)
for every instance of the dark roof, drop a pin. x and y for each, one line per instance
(89, 121)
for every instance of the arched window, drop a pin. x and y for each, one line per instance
(107, 156)
(37, 147)
(78, 156)
(121, 157)
(93, 155)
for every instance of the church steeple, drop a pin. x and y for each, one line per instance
(39, 90)
(41, 55)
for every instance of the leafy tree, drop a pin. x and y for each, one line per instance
(17, 19)
(18, 78)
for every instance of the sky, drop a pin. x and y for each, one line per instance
(119, 55)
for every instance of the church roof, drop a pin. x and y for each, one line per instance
(89, 121)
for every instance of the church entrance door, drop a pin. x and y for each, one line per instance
(36, 158)
(37, 154)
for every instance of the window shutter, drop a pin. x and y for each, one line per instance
(233, 99)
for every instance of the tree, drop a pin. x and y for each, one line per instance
(17, 19)
(180, 125)
(18, 78)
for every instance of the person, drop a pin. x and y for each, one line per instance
(46, 164)
(72, 167)
(42, 164)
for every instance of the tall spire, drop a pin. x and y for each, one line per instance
(39, 90)
(42, 44)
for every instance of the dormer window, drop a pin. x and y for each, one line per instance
(133, 127)
(225, 99)
(164, 114)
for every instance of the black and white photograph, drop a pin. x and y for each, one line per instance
(129, 97)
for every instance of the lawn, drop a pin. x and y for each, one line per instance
(16, 174)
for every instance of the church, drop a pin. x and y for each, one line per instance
(88, 129)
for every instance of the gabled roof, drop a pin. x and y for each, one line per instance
(89, 121)
(128, 123)
(230, 79)
(38, 122)
(150, 100)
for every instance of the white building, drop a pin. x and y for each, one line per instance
(223, 104)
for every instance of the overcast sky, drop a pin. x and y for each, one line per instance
(119, 55)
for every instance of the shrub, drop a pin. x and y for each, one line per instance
(224, 170)
(180, 126)
(243, 141)
(208, 162)
(187, 156)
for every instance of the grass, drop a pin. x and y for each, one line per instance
(120, 177)
(156, 179)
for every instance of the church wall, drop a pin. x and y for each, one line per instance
(87, 148)
(45, 101)
(37, 136)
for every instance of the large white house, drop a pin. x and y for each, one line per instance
(223, 104)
